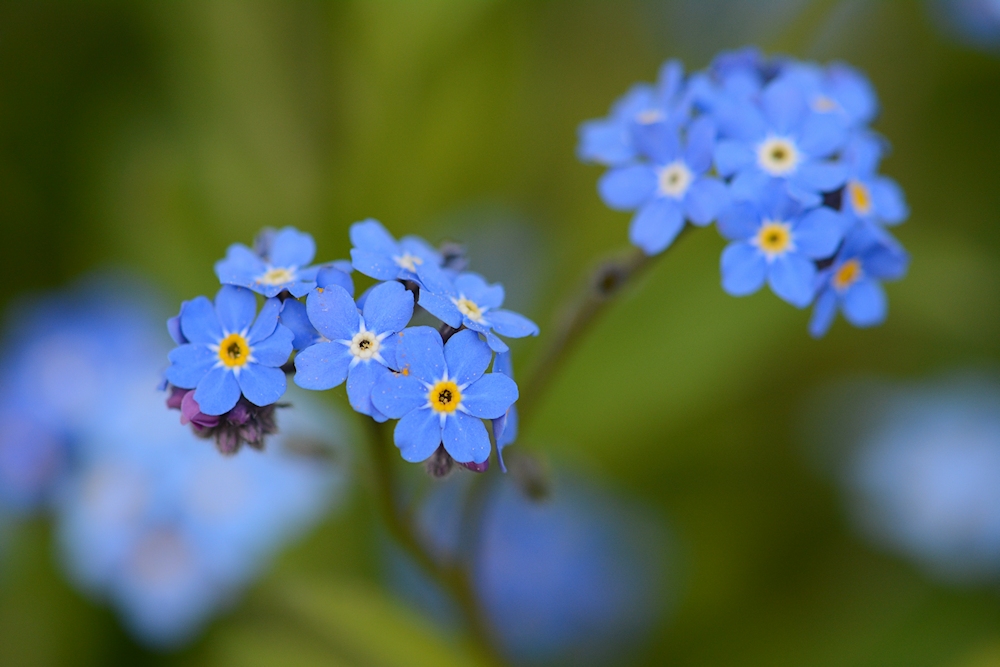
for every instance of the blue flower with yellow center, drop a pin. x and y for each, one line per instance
(378, 255)
(837, 89)
(356, 347)
(776, 241)
(229, 352)
(471, 302)
(853, 282)
(867, 196)
(278, 264)
(441, 394)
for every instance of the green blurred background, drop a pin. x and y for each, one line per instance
(151, 136)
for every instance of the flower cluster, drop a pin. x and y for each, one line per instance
(228, 370)
(779, 154)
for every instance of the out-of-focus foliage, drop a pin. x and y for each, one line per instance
(152, 136)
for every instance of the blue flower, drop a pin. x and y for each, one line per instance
(293, 312)
(227, 355)
(441, 394)
(837, 89)
(378, 255)
(852, 282)
(359, 348)
(471, 302)
(776, 240)
(279, 264)
(505, 428)
(669, 190)
(867, 196)
(781, 139)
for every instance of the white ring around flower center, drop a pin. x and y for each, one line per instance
(649, 116)
(365, 345)
(278, 275)
(778, 156)
(675, 179)
(408, 262)
(469, 308)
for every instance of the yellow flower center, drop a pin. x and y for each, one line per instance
(848, 274)
(234, 351)
(774, 238)
(675, 179)
(824, 104)
(445, 396)
(469, 308)
(777, 156)
(276, 276)
(408, 262)
(860, 196)
(365, 345)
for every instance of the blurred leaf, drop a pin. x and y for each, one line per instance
(263, 647)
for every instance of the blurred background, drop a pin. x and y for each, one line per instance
(735, 494)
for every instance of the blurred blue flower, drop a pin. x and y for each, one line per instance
(836, 89)
(777, 240)
(867, 196)
(226, 355)
(925, 480)
(378, 255)
(974, 22)
(505, 428)
(470, 301)
(278, 263)
(358, 348)
(852, 282)
(441, 394)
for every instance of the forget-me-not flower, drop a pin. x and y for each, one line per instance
(867, 196)
(359, 348)
(229, 352)
(853, 282)
(293, 312)
(441, 394)
(775, 240)
(378, 255)
(837, 89)
(470, 301)
(279, 264)
(670, 189)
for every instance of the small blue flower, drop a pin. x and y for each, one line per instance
(776, 240)
(279, 264)
(359, 348)
(837, 89)
(293, 312)
(471, 302)
(867, 196)
(852, 282)
(226, 355)
(505, 428)
(672, 188)
(782, 140)
(441, 394)
(378, 255)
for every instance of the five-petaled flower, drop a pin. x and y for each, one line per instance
(872, 199)
(279, 264)
(378, 255)
(359, 348)
(229, 352)
(441, 394)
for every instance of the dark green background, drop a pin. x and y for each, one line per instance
(151, 136)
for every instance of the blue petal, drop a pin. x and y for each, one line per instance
(235, 307)
(370, 236)
(174, 328)
(333, 313)
(821, 135)
(441, 307)
(503, 363)
(511, 324)
(420, 353)
(418, 434)
(275, 349)
(739, 221)
(732, 156)
(818, 233)
(475, 288)
(217, 392)
(418, 247)
(290, 247)
(743, 269)
(360, 381)
(506, 434)
(864, 303)
(466, 439)
(467, 356)
(655, 226)
(853, 92)
(793, 278)
(495, 343)
(700, 145)
(396, 395)
(388, 308)
(189, 364)
(750, 184)
(819, 176)
(863, 152)
(199, 323)
(705, 199)
(374, 264)
(604, 141)
(658, 140)
(322, 366)
(333, 275)
(625, 188)
(490, 396)
(298, 288)
(889, 203)
(266, 321)
(293, 316)
(240, 267)
(262, 385)
(783, 104)
(823, 313)
(387, 350)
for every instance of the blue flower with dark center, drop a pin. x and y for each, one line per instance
(378, 255)
(358, 348)
(672, 188)
(471, 302)
(441, 395)
(777, 241)
(852, 283)
(837, 89)
(780, 140)
(871, 198)
(293, 312)
(279, 264)
(229, 352)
